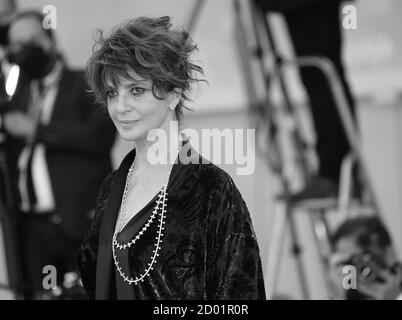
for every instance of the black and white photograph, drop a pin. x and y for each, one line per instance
(224, 152)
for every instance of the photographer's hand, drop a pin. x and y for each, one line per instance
(390, 289)
(19, 124)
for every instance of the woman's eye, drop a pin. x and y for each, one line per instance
(111, 93)
(137, 91)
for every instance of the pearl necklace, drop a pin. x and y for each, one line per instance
(161, 205)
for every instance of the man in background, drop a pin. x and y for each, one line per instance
(7, 9)
(60, 148)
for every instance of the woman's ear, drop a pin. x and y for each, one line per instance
(174, 99)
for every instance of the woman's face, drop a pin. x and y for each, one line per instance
(135, 110)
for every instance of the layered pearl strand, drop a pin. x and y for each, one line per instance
(159, 210)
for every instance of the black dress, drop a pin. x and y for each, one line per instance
(124, 291)
(209, 248)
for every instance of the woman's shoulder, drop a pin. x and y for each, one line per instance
(216, 184)
(225, 196)
(215, 173)
(220, 182)
(196, 179)
(217, 177)
(226, 204)
(209, 174)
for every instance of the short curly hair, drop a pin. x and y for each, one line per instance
(150, 48)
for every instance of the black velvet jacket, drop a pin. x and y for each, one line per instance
(209, 248)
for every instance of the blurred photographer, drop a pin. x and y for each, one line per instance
(7, 9)
(59, 145)
(364, 244)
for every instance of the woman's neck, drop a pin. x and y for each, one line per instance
(157, 153)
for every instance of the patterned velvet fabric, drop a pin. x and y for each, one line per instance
(209, 248)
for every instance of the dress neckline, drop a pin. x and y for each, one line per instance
(138, 215)
(172, 175)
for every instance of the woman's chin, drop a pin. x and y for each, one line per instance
(129, 135)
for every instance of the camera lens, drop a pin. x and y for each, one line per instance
(366, 272)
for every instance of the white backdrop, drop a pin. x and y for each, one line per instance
(77, 20)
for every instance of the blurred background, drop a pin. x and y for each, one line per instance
(373, 64)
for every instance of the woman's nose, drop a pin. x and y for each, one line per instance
(124, 103)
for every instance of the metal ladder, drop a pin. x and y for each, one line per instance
(256, 42)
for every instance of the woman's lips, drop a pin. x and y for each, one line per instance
(127, 123)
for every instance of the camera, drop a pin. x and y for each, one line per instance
(368, 267)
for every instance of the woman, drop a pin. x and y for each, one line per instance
(162, 231)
